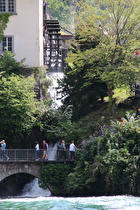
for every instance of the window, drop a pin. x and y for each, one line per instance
(7, 6)
(7, 44)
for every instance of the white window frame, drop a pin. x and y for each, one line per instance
(8, 8)
(7, 47)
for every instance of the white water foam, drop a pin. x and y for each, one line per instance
(52, 89)
(32, 189)
(52, 151)
(64, 203)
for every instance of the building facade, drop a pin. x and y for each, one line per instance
(32, 35)
(24, 33)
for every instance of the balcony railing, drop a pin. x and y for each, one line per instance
(30, 155)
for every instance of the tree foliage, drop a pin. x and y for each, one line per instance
(42, 85)
(9, 65)
(17, 101)
(4, 18)
(17, 107)
(57, 125)
(108, 164)
(74, 90)
(26, 108)
(49, 173)
(60, 9)
(114, 27)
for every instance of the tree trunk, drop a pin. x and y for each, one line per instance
(110, 102)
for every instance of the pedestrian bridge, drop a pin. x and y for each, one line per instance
(23, 161)
(10, 168)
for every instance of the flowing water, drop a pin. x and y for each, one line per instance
(32, 189)
(52, 151)
(56, 98)
(79, 203)
(35, 198)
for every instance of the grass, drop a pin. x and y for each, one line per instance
(121, 94)
(100, 115)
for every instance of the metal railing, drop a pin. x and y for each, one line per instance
(30, 155)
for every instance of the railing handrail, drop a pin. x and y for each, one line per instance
(30, 154)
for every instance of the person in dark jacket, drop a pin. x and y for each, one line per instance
(45, 150)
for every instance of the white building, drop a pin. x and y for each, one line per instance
(31, 34)
(24, 33)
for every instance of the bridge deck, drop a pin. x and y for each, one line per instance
(28, 155)
(33, 161)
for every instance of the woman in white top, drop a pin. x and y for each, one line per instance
(37, 151)
(72, 150)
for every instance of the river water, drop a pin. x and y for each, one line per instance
(35, 198)
(79, 203)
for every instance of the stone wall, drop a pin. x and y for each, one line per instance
(10, 168)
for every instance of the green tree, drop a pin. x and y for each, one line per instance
(108, 164)
(57, 124)
(76, 88)
(17, 100)
(63, 11)
(4, 19)
(114, 26)
(60, 9)
(9, 65)
(17, 107)
(83, 98)
(48, 180)
(43, 83)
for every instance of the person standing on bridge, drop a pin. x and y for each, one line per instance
(37, 150)
(63, 150)
(72, 150)
(3, 147)
(45, 150)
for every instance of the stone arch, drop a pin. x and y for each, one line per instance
(14, 173)
(10, 168)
